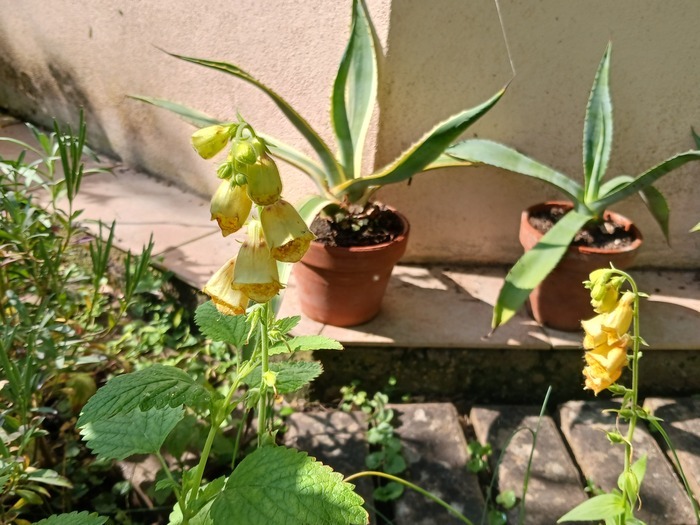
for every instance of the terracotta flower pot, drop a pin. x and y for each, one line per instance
(345, 286)
(561, 301)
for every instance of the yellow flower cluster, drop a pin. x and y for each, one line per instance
(250, 176)
(607, 339)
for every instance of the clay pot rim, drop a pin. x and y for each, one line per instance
(402, 237)
(629, 226)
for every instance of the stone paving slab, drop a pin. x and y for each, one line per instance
(337, 439)
(435, 450)
(681, 421)
(583, 423)
(554, 486)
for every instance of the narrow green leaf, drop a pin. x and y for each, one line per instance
(658, 207)
(614, 184)
(157, 386)
(535, 265)
(695, 228)
(355, 91)
(232, 329)
(188, 114)
(306, 343)
(598, 129)
(49, 477)
(599, 507)
(284, 486)
(425, 151)
(291, 375)
(333, 170)
(696, 137)
(481, 151)
(130, 433)
(645, 179)
(73, 518)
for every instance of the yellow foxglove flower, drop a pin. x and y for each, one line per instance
(285, 231)
(230, 207)
(605, 364)
(210, 140)
(264, 182)
(605, 289)
(227, 300)
(593, 328)
(619, 320)
(256, 270)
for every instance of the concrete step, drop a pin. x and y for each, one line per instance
(571, 449)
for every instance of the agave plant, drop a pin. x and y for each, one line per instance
(590, 200)
(339, 178)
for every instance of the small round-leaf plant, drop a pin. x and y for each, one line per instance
(610, 348)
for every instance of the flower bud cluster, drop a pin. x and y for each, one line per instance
(606, 335)
(250, 176)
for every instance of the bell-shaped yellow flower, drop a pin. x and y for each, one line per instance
(256, 270)
(605, 289)
(211, 140)
(230, 207)
(619, 320)
(264, 181)
(605, 364)
(227, 300)
(285, 231)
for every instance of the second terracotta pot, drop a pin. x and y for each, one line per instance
(344, 286)
(561, 301)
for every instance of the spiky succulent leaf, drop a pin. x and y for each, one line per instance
(598, 129)
(494, 154)
(658, 207)
(535, 264)
(354, 91)
(421, 154)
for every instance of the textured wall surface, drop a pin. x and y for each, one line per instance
(439, 57)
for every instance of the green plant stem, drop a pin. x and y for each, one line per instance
(264, 368)
(217, 418)
(166, 469)
(416, 488)
(635, 386)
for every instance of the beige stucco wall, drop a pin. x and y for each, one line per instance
(441, 56)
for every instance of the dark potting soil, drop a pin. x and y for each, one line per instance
(357, 226)
(606, 234)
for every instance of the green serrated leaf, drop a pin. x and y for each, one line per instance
(285, 486)
(287, 324)
(306, 343)
(291, 376)
(219, 327)
(598, 507)
(135, 432)
(73, 518)
(157, 386)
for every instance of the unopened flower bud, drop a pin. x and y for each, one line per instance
(286, 233)
(225, 171)
(227, 300)
(256, 270)
(230, 207)
(210, 140)
(244, 152)
(264, 182)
